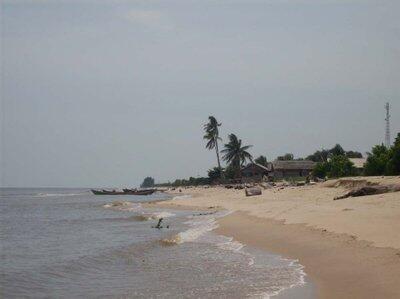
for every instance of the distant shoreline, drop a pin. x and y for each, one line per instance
(349, 248)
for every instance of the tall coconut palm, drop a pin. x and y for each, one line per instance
(236, 154)
(212, 135)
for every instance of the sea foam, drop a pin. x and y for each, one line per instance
(152, 216)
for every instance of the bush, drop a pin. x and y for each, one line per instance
(337, 166)
(320, 170)
(341, 166)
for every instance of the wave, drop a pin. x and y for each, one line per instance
(186, 196)
(199, 226)
(122, 206)
(58, 194)
(152, 216)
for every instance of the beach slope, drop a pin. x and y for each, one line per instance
(350, 248)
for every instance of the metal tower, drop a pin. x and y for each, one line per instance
(387, 119)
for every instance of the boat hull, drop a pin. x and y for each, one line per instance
(125, 192)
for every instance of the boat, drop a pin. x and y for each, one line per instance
(124, 192)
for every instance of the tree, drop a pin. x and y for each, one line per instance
(321, 170)
(393, 165)
(337, 150)
(337, 166)
(212, 135)
(319, 156)
(286, 157)
(147, 182)
(214, 174)
(340, 166)
(353, 154)
(235, 154)
(377, 161)
(230, 172)
(262, 160)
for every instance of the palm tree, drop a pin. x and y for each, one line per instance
(212, 135)
(234, 153)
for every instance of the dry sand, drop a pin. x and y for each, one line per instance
(350, 248)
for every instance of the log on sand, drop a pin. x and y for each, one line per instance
(370, 190)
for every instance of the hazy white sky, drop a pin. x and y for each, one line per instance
(104, 93)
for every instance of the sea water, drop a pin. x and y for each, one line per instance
(68, 243)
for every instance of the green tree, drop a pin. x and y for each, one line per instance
(230, 172)
(353, 154)
(337, 150)
(286, 157)
(321, 170)
(214, 174)
(340, 166)
(147, 182)
(212, 137)
(235, 154)
(319, 156)
(377, 161)
(262, 160)
(337, 166)
(323, 155)
(393, 165)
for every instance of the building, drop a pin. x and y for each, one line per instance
(254, 172)
(359, 164)
(293, 168)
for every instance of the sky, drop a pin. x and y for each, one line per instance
(104, 93)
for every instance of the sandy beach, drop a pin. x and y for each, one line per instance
(350, 248)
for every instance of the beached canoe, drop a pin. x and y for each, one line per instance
(124, 192)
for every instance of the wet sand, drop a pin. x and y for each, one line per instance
(350, 248)
(338, 265)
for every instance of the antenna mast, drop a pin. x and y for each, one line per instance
(387, 119)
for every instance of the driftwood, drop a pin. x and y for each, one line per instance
(253, 191)
(370, 190)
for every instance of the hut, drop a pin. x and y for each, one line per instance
(358, 164)
(292, 168)
(254, 172)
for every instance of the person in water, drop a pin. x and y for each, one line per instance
(159, 223)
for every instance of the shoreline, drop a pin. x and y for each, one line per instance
(338, 266)
(349, 248)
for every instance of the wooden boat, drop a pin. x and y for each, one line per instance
(106, 192)
(124, 192)
(139, 192)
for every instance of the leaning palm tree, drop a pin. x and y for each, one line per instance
(236, 154)
(212, 135)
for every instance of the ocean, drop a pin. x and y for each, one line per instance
(68, 243)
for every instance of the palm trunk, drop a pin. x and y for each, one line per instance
(237, 170)
(219, 162)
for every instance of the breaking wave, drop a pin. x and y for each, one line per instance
(122, 206)
(152, 216)
(199, 227)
